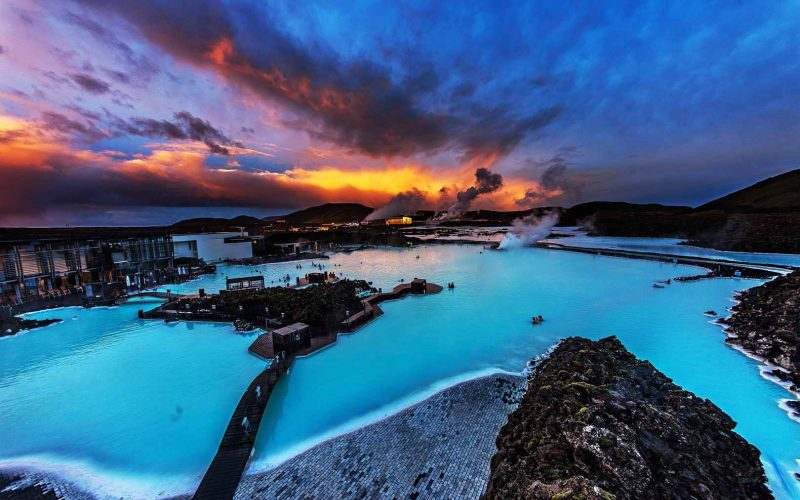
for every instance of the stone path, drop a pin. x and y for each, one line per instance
(438, 448)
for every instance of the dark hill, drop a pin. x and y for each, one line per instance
(217, 223)
(574, 215)
(759, 218)
(329, 212)
(776, 194)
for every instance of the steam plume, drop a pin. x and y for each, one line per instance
(528, 230)
(402, 203)
(485, 182)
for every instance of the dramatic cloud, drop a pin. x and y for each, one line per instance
(185, 126)
(86, 130)
(91, 84)
(243, 103)
(162, 178)
(556, 183)
(354, 103)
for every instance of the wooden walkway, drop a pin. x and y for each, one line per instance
(154, 293)
(222, 477)
(372, 310)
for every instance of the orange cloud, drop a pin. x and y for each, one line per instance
(44, 173)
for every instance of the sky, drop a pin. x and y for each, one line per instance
(144, 112)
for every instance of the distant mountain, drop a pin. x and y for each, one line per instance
(217, 223)
(506, 218)
(776, 194)
(759, 218)
(329, 212)
(574, 215)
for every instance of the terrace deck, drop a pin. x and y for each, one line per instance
(263, 346)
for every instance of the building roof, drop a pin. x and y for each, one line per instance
(288, 330)
(245, 278)
(54, 234)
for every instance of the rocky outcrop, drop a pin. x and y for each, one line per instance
(598, 423)
(766, 323)
(14, 324)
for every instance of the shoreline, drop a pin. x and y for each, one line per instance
(82, 480)
(765, 366)
(376, 416)
(760, 271)
(439, 446)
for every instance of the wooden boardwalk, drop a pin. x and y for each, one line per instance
(154, 293)
(372, 310)
(222, 477)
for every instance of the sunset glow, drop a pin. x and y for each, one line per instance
(249, 108)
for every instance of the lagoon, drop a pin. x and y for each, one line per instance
(104, 388)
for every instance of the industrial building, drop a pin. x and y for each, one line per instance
(213, 247)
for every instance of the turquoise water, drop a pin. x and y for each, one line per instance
(120, 405)
(483, 325)
(104, 402)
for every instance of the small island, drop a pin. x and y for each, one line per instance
(598, 423)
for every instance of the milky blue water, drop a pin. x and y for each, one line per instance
(111, 395)
(122, 405)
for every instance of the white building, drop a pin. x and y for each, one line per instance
(213, 247)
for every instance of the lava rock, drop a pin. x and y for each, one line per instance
(766, 323)
(241, 325)
(13, 325)
(598, 423)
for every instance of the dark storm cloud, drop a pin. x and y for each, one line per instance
(555, 182)
(356, 103)
(62, 124)
(498, 133)
(91, 84)
(184, 126)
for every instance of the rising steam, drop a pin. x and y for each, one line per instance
(485, 182)
(406, 202)
(526, 231)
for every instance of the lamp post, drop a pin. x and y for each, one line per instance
(266, 314)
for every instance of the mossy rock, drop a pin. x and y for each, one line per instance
(583, 388)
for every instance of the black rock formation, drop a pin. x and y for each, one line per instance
(766, 322)
(598, 423)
